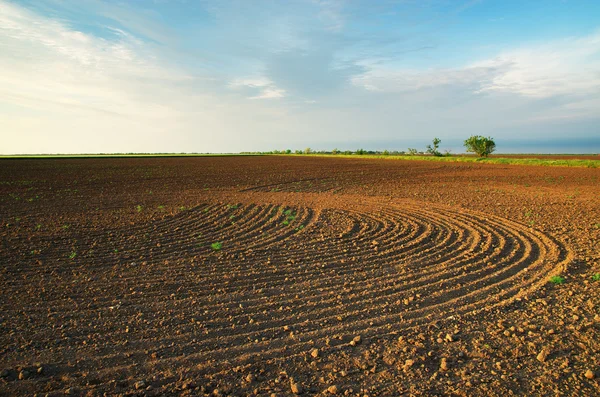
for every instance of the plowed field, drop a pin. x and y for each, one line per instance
(297, 275)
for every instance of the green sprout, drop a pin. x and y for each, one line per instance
(557, 280)
(596, 277)
(72, 255)
(139, 208)
(216, 246)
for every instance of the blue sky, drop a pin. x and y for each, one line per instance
(92, 76)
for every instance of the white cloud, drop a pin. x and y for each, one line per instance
(386, 79)
(270, 93)
(62, 90)
(330, 12)
(564, 67)
(265, 87)
(45, 61)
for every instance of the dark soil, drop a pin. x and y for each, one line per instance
(332, 276)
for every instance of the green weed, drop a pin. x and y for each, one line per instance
(72, 255)
(216, 246)
(139, 208)
(596, 277)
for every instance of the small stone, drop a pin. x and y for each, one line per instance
(296, 388)
(186, 386)
(250, 378)
(589, 374)
(408, 363)
(449, 338)
(332, 389)
(140, 385)
(23, 374)
(543, 355)
(40, 370)
(444, 364)
(356, 341)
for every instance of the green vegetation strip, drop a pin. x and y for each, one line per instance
(470, 159)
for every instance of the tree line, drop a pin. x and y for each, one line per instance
(477, 144)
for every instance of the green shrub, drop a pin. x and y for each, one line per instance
(480, 145)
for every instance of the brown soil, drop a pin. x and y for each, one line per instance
(335, 276)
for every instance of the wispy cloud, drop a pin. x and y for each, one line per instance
(259, 88)
(562, 67)
(569, 66)
(567, 70)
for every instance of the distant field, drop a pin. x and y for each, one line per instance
(116, 155)
(561, 160)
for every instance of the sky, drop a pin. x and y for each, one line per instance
(157, 76)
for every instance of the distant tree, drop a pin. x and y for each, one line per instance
(480, 145)
(360, 151)
(386, 153)
(335, 151)
(433, 149)
(288, 151)
(412, 151)
(307, 150)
